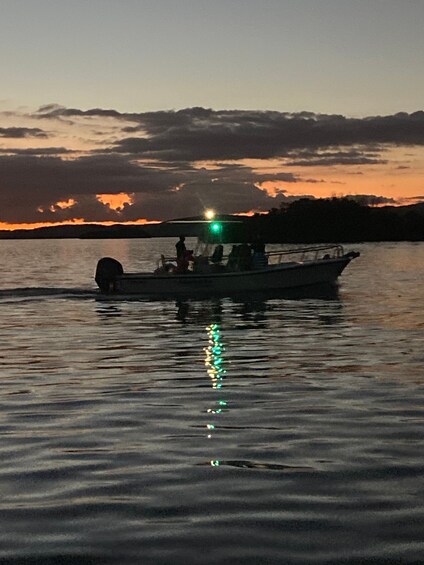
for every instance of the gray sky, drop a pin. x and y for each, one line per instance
(356, 57)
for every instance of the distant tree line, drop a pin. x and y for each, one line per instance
(325, 220)
(333, 220)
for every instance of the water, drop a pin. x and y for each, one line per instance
(216, 431)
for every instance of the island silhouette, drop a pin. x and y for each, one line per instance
(302, 221)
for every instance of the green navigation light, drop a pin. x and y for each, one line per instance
(216, 227)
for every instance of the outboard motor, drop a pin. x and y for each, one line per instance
(107, 271)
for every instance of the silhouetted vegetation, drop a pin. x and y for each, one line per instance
(303, 221)
(338, 219)
(114, 232)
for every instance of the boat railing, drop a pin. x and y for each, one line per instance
(304, 254)
(293, 255)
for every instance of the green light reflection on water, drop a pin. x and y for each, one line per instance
(214, 365)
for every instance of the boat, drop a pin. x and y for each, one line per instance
(203, 275)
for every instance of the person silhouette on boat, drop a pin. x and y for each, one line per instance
(258, 245)
(259, 258)
(244, 257)
(180, 247)
(233, 258)
(217, 255)
(183, 262)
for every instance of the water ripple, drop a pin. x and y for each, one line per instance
(221, 431)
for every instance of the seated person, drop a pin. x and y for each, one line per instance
(233, 258)
(217, 254)
(259, 258)
(245, 257)
(183, 262)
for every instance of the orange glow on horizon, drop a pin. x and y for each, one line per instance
(26, 226)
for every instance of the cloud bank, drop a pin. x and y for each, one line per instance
(176, 163)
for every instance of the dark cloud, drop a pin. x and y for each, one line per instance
(193, 197)
(38, 151)
(199, 133)
(87, 207)
(211, 135)
(268, 135)
(156, 156)
(57, 111)
(414, 199)
(86, 175)
(204, 134)
(50, 109)
(371, 199)
(35, 184)
(364, 156)
(19, 133)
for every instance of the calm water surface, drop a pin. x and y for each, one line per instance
(216, 431)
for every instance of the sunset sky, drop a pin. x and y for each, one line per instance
(129, 110)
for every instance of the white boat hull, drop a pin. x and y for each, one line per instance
(274, 278)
